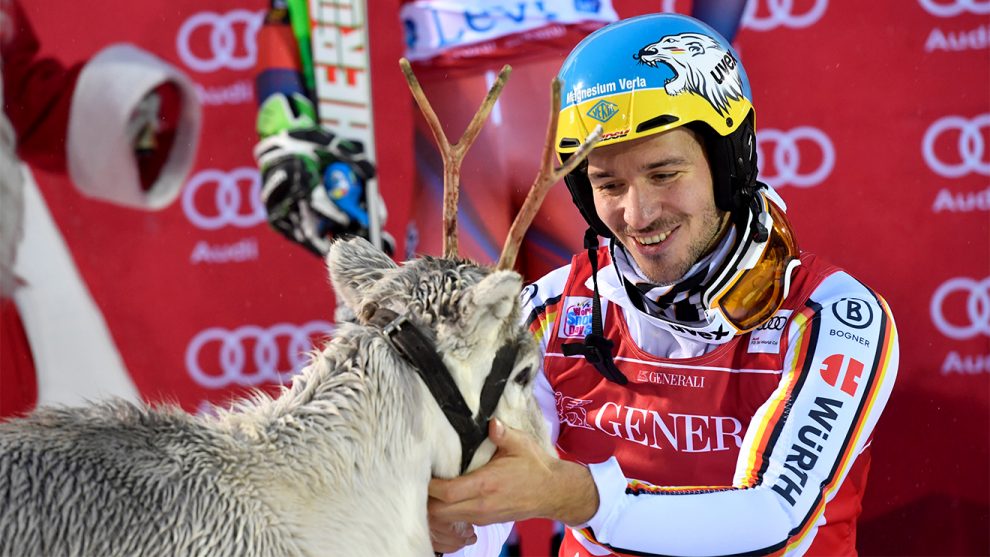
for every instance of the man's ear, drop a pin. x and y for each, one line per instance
(355, 265)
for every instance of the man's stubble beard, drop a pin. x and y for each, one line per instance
(715, 222)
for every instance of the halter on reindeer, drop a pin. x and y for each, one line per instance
(349, 447)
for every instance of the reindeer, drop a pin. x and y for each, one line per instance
(339, 462)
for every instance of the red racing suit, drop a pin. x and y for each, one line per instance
(760, 445)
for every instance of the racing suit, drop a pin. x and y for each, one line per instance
(756, 445)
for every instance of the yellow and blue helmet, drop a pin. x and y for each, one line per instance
(650, 74)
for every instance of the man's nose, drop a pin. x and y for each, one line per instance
(641, 208)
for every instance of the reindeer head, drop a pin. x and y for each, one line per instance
(466, 314)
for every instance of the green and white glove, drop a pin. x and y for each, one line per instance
(294, 156)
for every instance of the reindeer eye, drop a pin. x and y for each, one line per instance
(524, 377)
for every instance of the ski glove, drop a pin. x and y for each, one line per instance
(313, 181)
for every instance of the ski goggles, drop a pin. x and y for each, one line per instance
(756, 285)
(754, 280)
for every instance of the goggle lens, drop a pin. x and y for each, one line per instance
(760, 291)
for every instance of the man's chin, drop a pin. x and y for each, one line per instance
(658, 272)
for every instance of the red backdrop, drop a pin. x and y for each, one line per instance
(874, 125)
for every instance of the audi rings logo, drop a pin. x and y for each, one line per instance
(251, 355)
(213, 198)
(941, 8)
(790, 150)
(976, 315)
(781, 13)
(230, 40)
(775, 323)
(971, 154)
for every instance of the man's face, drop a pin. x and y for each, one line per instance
(655, 195)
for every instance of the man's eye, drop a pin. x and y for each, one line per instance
(663, 176)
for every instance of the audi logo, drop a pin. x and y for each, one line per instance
(232, 40)
(955, 7)
(787, 155)
(977, 308)
(781, 13)
(227, 205)
(971, 146)
(775, 323)
(234, 348)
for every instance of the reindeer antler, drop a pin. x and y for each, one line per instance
(547, 176)
(453, 155)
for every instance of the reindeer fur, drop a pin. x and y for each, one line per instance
(338, 464)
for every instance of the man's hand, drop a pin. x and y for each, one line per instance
(521, 481)
(312, 180)
(448, 537)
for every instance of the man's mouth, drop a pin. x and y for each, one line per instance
(652, 240)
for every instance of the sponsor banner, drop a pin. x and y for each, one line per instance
(435, 27)
(214, 198)
(659, 430)
(250, 355)
(803, 156)
(766, 15)
(967, 301)
(867, 129)
(209, 41)
(955, 146)
(952, 8)
(960, 312)
(178, 287)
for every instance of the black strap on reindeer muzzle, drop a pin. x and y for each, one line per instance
(417, 349)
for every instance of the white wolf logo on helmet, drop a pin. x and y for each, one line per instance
(701, 66)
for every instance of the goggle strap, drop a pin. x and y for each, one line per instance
(758, 230)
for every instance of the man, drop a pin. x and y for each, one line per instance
(710, 389)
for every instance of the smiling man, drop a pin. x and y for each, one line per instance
(655, 195)
(702, 377)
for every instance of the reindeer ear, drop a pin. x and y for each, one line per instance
(355, 265)
(495, 296)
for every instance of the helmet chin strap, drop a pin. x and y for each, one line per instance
(595, 348)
